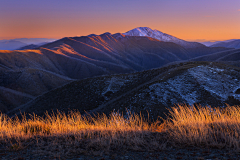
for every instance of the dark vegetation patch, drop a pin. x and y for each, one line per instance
(237, 91)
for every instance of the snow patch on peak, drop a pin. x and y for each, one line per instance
(148, 32)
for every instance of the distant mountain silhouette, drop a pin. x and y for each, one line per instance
(11, 44)
(35, 40)
(210, 43)
(17, 43)
(231, 44)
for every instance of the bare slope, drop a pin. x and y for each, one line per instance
(20, 86)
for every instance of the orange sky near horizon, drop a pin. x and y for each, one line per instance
(186, 19)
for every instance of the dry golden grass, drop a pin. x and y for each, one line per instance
(77, 134)
(205, 126)
(60, 124)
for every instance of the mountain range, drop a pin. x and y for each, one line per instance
(28, 75)
(18, 43)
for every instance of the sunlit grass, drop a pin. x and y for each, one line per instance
(205, 126)
(185, 126)
(76, 133)
(59, 124)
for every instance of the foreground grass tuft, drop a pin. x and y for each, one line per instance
(205, 126)
(73, 133)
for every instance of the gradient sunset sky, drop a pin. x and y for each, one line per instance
(195, 20)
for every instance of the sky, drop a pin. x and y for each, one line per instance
(193, 20)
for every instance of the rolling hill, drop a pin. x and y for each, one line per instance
(155, 90)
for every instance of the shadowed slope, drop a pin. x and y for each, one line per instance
(9, 99)
(30, 46)
(229, 57)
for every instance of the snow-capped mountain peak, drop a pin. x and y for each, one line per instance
(142, 31)
(146, 31)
